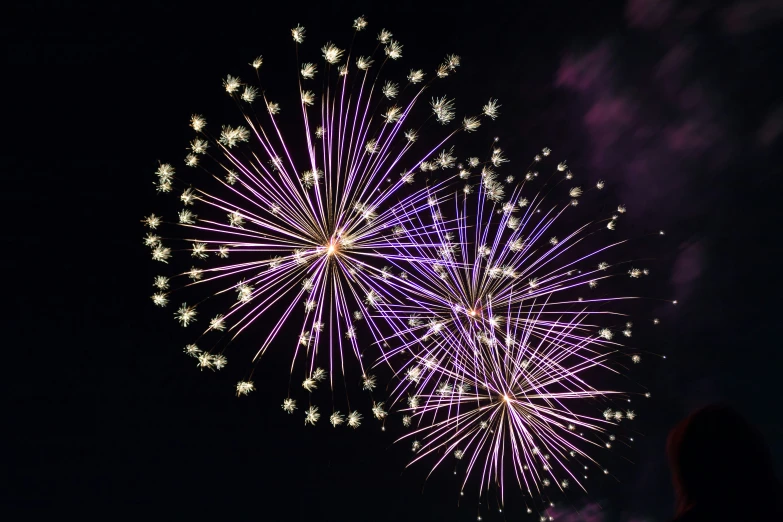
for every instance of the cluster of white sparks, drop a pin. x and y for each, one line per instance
(326, 229)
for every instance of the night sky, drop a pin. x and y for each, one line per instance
(678, 106)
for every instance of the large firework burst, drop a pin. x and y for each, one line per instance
(297, 228)
(494, 352)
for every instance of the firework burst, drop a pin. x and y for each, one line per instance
(290, 229)
(495, 355)
(512, 410)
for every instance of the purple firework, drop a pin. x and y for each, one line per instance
(495, 355)
(298, 228)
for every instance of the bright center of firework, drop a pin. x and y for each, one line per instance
(333, 246)
(474, 312)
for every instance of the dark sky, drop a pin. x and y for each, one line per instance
(678, 105)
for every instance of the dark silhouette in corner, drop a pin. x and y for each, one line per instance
(722, 469)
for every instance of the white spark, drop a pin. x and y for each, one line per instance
(308, 98)
(218, 323)
(331, 53)
(354, 419)
(289, 405)
(232, 136)
(249, 94)
(191, 160)
(393, 50)
(384, 36)
(491, 109)
(415, 76)
(413, 374)
(197, 122)
(161, 253)
(151, 240)
(392, 114)
(452, 61)
(371, 146)
(204, 360)
(350, 332)
(311, 178)
(360, 23)
(198, 146)
(199, 250)
(497, 158)
(219, 361)
(232, 84)
(273, 108)
(298, 33)
(312, 415)
(152, 221)
(378, 411)
(443, 109)
(364, 62)
(470, 124)
(186, 217)
(244, 387)
(368, 382)
(390, 89)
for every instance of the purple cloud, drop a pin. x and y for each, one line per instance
(591, 512)
(582, 72)
(744, 17)
(648, 14)
(645, 133)
(688, 267)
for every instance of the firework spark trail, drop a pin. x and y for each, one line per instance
(309, 220)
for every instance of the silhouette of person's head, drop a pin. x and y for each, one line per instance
(721, 468)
